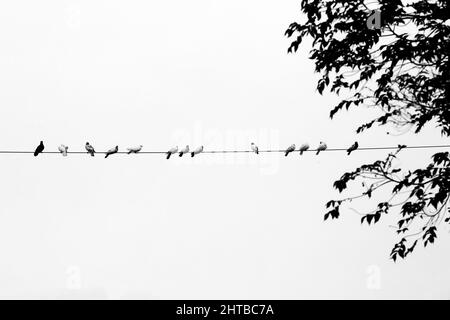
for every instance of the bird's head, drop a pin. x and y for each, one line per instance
(87, 143)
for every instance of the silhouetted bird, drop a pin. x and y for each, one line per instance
(290, 149)
(304, 147)
(352, 148)
(39, 149)
(185, 150)
(171, 152)
(63, 149)
(255, 148)
(197, 151)
(89, 149)
(322, 147)
(134, 149)
(111, 151)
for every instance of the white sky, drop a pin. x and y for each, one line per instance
(175, 73)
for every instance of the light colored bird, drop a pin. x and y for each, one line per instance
(304, 147)
(322, 147)
(135, 149)
(39, 149)
(255, 148)
(63, 149)
(184, 151)
(171, 152)
(111, 151)
(352, 148)
(197, 151)
(290, 149)
(89, 149)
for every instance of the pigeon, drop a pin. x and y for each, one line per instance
(89, 149)
(352, 148)
(134, 149)
(290, 149)
(197, 151)
(183, 151)
(171, 151)
(39, 149)
(63, 149)
(322, 147)
(111, 151)
(255, 148)
(304, 147)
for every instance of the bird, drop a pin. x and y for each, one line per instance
(89, 149)
(63, 149)
(39, 149)
(134, 149)
(183, 151)
(352, 148)
(304, 147)
(322, 147)
(255, 148)
(111, 151)
(197, 151)
(172, 151)
(290, 149)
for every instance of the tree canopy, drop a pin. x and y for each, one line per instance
(401, 67)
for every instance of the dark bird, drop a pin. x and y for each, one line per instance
(352, 148)
(111, 151)
(39, 149)
(289, 150)
(171, 152)
(322, 147)
(304, 147)
(254, 148)
(89, 149)
(197, 151)
(184, 151)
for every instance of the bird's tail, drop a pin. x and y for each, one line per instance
(129, 152)
(301, 152)
(181, 154)
(348, 152)
(106, 156)
(168, 155)
(192, 154)
(35, 154)
(318, 151)
(257, 151)
(92, 154)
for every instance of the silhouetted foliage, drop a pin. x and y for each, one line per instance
(401, 67)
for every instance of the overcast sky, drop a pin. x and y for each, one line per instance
(174, 73)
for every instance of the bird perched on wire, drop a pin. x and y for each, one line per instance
(304, 147)
(255, 148)
(63, 149)
(171, 152)
(39, 149)
(89, 149)
(111, 151)
(289, 150)
(322, 147)
(134, 149)
(197, 151)
(184, 151)
(352, 148)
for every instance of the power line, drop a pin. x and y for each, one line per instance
(240, 151)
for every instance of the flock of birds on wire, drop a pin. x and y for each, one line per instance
(63, 149)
